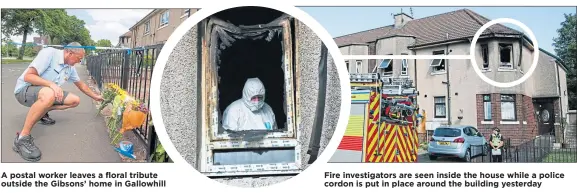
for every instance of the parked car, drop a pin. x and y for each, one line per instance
(463, 142)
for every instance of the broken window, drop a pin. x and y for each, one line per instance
(359, 66)
(347, 62)
(438, 65)
(485, 55)
(387, 67)
(506, 55)
(238, 50)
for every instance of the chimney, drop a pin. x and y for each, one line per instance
(401, 19)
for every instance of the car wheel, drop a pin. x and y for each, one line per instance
(468, 155)
(432, 157)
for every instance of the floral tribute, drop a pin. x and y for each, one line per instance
(127, 112)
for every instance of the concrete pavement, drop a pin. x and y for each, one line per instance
(79, 135)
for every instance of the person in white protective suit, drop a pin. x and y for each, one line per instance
(250, 112)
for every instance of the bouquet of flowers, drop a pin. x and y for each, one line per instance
(127, 112)
(134, 116)
(109, 93)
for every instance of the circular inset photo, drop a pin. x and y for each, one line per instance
(249, 96)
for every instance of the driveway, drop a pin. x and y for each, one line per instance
(79, 134)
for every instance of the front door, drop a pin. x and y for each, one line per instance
(545, 116)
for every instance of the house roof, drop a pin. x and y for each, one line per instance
(458, 24)
(146, 18)
(127, 34)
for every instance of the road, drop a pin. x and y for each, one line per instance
(79, 135)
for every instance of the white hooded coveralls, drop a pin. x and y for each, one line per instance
(244, 114)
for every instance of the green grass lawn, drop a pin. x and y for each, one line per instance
(561, 156)
(14, 61)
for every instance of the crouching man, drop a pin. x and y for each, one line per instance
(39, 89)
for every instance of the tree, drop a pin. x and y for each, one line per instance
(76, 32)
(566, 48)
(52, 24)
(9, 49)
(103, 43)
(55, 23)
(20, 22)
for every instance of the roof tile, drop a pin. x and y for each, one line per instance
(458, 24)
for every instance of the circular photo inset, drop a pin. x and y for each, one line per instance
(250, 96)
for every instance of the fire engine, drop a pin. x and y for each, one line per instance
(382, 123)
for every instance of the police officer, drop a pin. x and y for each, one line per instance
(496, 143)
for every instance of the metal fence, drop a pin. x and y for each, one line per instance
(538, 150)
(132, 71)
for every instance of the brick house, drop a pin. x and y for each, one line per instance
(535, 107)
(156, 27)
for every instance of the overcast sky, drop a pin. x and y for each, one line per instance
(103, 23)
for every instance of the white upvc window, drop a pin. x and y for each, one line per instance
(164, 18)
(359, 66)
(147, 27)
(404, 67)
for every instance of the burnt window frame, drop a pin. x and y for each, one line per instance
(347, 63)
(485, 55)
(212, 141)
(504, 65)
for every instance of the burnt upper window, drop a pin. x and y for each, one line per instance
(506, 55)
(485, 55)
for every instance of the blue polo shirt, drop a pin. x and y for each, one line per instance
(50, 66)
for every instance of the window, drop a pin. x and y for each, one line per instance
(485, 55)
(508, 109)
(506, 56)
(487, 107)
(387, 67)
(186, 13)
(467, 131)
(474, 132)
(164, 18)
(404, 67)
(438, 65)
(256, 149)
(347, 62)
(147, 27)
(440, 107)
(359, 66)
(447, 132)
